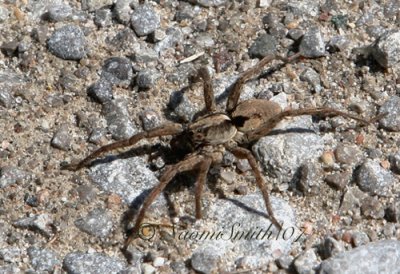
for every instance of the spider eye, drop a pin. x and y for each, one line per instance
(239, 121)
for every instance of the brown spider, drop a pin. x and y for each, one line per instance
(210, 135)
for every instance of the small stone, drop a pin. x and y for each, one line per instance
(173, 37)
(376, 257)
(205, 260)
(386, 49)
(4, 13)
(392, 213)
(10, 254)
(339, 180)
(392, 120)
(150, 119)
(159, 261)
(11, 175)
(312, 45)
(327, 158)
(148, 269)
(97, 136)
(372, 208)
(284, 261)
(310, 178)
(348, 154)
(6, 99)
(101, 91)
(306, 262)
(332, 247)
(374, 179)
(264, 3)
(145, 20)
(86, 193)
(124, 40)
(295, 34)
(146, 79)
(97, 223)
(117, 116)
(59, 12)
(182, 106)
(359, 238)
(228, 176)
(312, 77)
(68, 43)
(118, 71)
(61, 138)
(352, 201)
(338, 43)
(265, 44)
(210, 3)
(43, 259)
(122, 11)
(96, 263)
(40, 222)
(103, 18)
(92, 5)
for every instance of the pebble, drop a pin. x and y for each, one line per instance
(86, 193)
(61, 138)
(43, 259)
(97, 223)
(103, 18)
(95, 263)
(394, 160)
(92, 5)
(283, 154)
(264, 45)
(10, 175)
(306, 8)
(348, 154)
(59, 12)
(386, 48)
(124, 40)
(6, 99)
(377, 257)
(204, 260)
(39, 222)
(210, 3)
(359, 238)
(173, 37)
(372, 208)
(392, 120)
(150, 119)
(117, 117)
(310, 178)
(352, 201)
(312, 44)
(10, 254)
(182, 106)
(68, 43)
(312, 77)
(338, 43)
(118, 71)
(339, 180)
(306, 263)
(145, 20)
(128, 178)
(146, 79)
(148, 269)
(101, 91)
(393, 212)
(374, 179)
(285, 261)
(331, 247)
(4, 14)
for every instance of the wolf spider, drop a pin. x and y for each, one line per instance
(215, 132)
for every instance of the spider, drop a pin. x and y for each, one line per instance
(214, 132)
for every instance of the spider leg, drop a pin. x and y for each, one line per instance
(204, 166)
(248, 74)
(185, 165)
(170, 129)
(243, 153)
(273, 121)
(209, 99)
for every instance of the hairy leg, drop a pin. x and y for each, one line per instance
(204, 166)
(233, 98)
(243, 153)
(170, 129)
(170, 172)
(273, 121)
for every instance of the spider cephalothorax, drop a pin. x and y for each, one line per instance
(214, 133)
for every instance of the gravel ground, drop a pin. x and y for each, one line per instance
(76, 75)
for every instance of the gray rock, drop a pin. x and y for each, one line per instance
(9, 269)
(264, 45)
(145, 55)
(348, 154)
(312, 77)
(122, 11)
(310, 178)
(386, 49)
(68, 43)
(118, 71)
(150, 119)
(377, 257)
(129, 178)
(282, 154)
(40, 222)
(331, 247)
(146, 79)
(103, 18)
(392, 120)
(124, 40)
(359, 238)
(246, 234)
(372, 208)
(59, 13)
(10, 175)
(306, 8)
(209, 3)
(97, 223)
(339, 180)
(284, 261)
(101, 91)
(173, 37)
(352, 201)
(4, 14)
(338, 43)
(182, 106)
(97, 135)
(145, 20)
(395, 162)
(393, 211)
(92, 5)
(306, 263)
(10, 254)
(86, 193)
(312, 44)
(374, 179)
(6, 99)
(43, 259)
(61, 138)
(95, 263)
(117, 116)
(391, 8)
